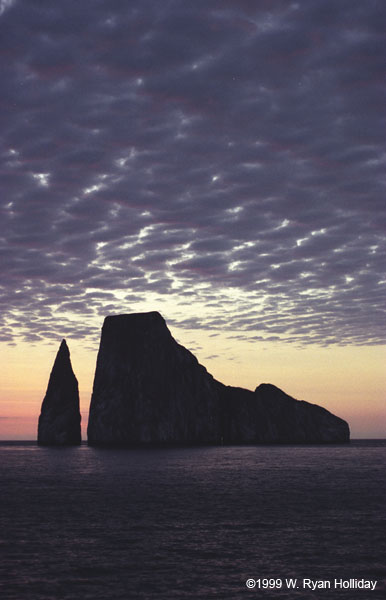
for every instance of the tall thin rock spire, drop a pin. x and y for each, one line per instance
(59, 421)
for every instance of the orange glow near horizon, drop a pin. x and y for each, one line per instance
(348, 381)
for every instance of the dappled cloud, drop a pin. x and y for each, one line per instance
(223, 161)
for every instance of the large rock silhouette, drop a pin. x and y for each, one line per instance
(148, 389)
(59, 421)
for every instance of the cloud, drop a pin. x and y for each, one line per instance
(215, 154)
(4, 5)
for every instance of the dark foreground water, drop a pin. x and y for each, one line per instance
(89, 524)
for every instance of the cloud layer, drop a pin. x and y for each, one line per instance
(225, 155)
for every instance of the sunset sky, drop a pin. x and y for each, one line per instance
(220, 161)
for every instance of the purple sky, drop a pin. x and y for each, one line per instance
(229, 154)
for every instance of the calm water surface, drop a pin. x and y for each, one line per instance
(92, 524)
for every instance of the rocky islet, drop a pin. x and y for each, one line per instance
(59, 421)
(150, 390)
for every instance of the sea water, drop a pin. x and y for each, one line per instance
(87, 524)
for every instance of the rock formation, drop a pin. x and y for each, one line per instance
(268, 415)
(59, 421)
(148, 389)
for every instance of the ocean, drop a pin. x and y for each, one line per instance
(101, 524)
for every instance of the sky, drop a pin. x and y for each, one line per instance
(220, 161)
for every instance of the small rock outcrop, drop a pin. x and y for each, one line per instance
(59, 421)
(148, 389)
(270, 416)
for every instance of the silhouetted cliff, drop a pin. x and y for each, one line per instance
(148, 389)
